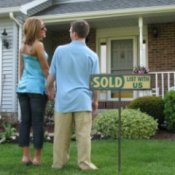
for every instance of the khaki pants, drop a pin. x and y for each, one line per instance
(62, 134)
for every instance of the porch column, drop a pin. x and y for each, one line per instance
(142, 62)
(142, 58)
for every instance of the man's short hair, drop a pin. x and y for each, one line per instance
(81, 27)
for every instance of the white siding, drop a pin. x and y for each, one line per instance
(9, 68)
(0, 74)
(15, 65)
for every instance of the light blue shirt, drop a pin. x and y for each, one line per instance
(71, 66)
(33, 79)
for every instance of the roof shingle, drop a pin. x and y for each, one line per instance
(98, 5)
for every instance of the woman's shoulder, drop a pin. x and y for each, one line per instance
(38, 44)
(33, 49)
(38, 47)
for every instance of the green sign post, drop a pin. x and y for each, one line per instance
(120, 83)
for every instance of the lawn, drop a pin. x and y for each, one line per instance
(139, 157)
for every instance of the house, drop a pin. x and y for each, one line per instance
(124, 33)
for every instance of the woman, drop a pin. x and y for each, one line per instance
(31, 88)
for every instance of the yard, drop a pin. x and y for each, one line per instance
(139, 157)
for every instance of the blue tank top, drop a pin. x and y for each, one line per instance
(33, 79)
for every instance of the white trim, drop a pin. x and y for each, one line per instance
(108, 13)
(9, 9)
(24, 8)
(109, 62)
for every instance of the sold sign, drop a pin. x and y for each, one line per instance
(120, 82)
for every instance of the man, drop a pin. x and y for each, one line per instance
(71, 67)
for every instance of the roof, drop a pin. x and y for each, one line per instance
(63, 11)
(64, 7)
(100, 5)
(23, 6)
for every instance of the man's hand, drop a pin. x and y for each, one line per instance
(51, 93)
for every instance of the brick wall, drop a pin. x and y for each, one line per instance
(112, 104)
(161, 49)
(63, 37)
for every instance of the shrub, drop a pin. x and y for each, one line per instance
(49, 113)
(169, 110)
(135, 124)
(8, 133)
(151, 105)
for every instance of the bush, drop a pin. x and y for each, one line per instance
(169, 110)
(49, 113)
(135, 124)
(8, 133)
(151, 105)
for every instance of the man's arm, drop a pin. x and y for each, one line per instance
(50, 87)
(95, 102)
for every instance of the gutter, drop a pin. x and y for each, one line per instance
(6, 10)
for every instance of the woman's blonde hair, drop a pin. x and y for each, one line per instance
(31, 29)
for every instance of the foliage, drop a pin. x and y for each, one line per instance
(49, 112)
(8, 133)
(151, 105)
(140, 70)
(135, 124)
(48, 137)
(169, 110)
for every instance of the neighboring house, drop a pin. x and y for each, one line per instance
(124, 33)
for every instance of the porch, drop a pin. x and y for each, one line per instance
(161, 82)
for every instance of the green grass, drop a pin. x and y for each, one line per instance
(139, 157)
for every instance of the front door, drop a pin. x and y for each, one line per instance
(122, 62)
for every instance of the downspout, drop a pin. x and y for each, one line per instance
(19, 44)
(19, 25)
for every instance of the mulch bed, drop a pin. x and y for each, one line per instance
(164, 134)
(160, 134)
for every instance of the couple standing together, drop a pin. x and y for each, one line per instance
(70, 70)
